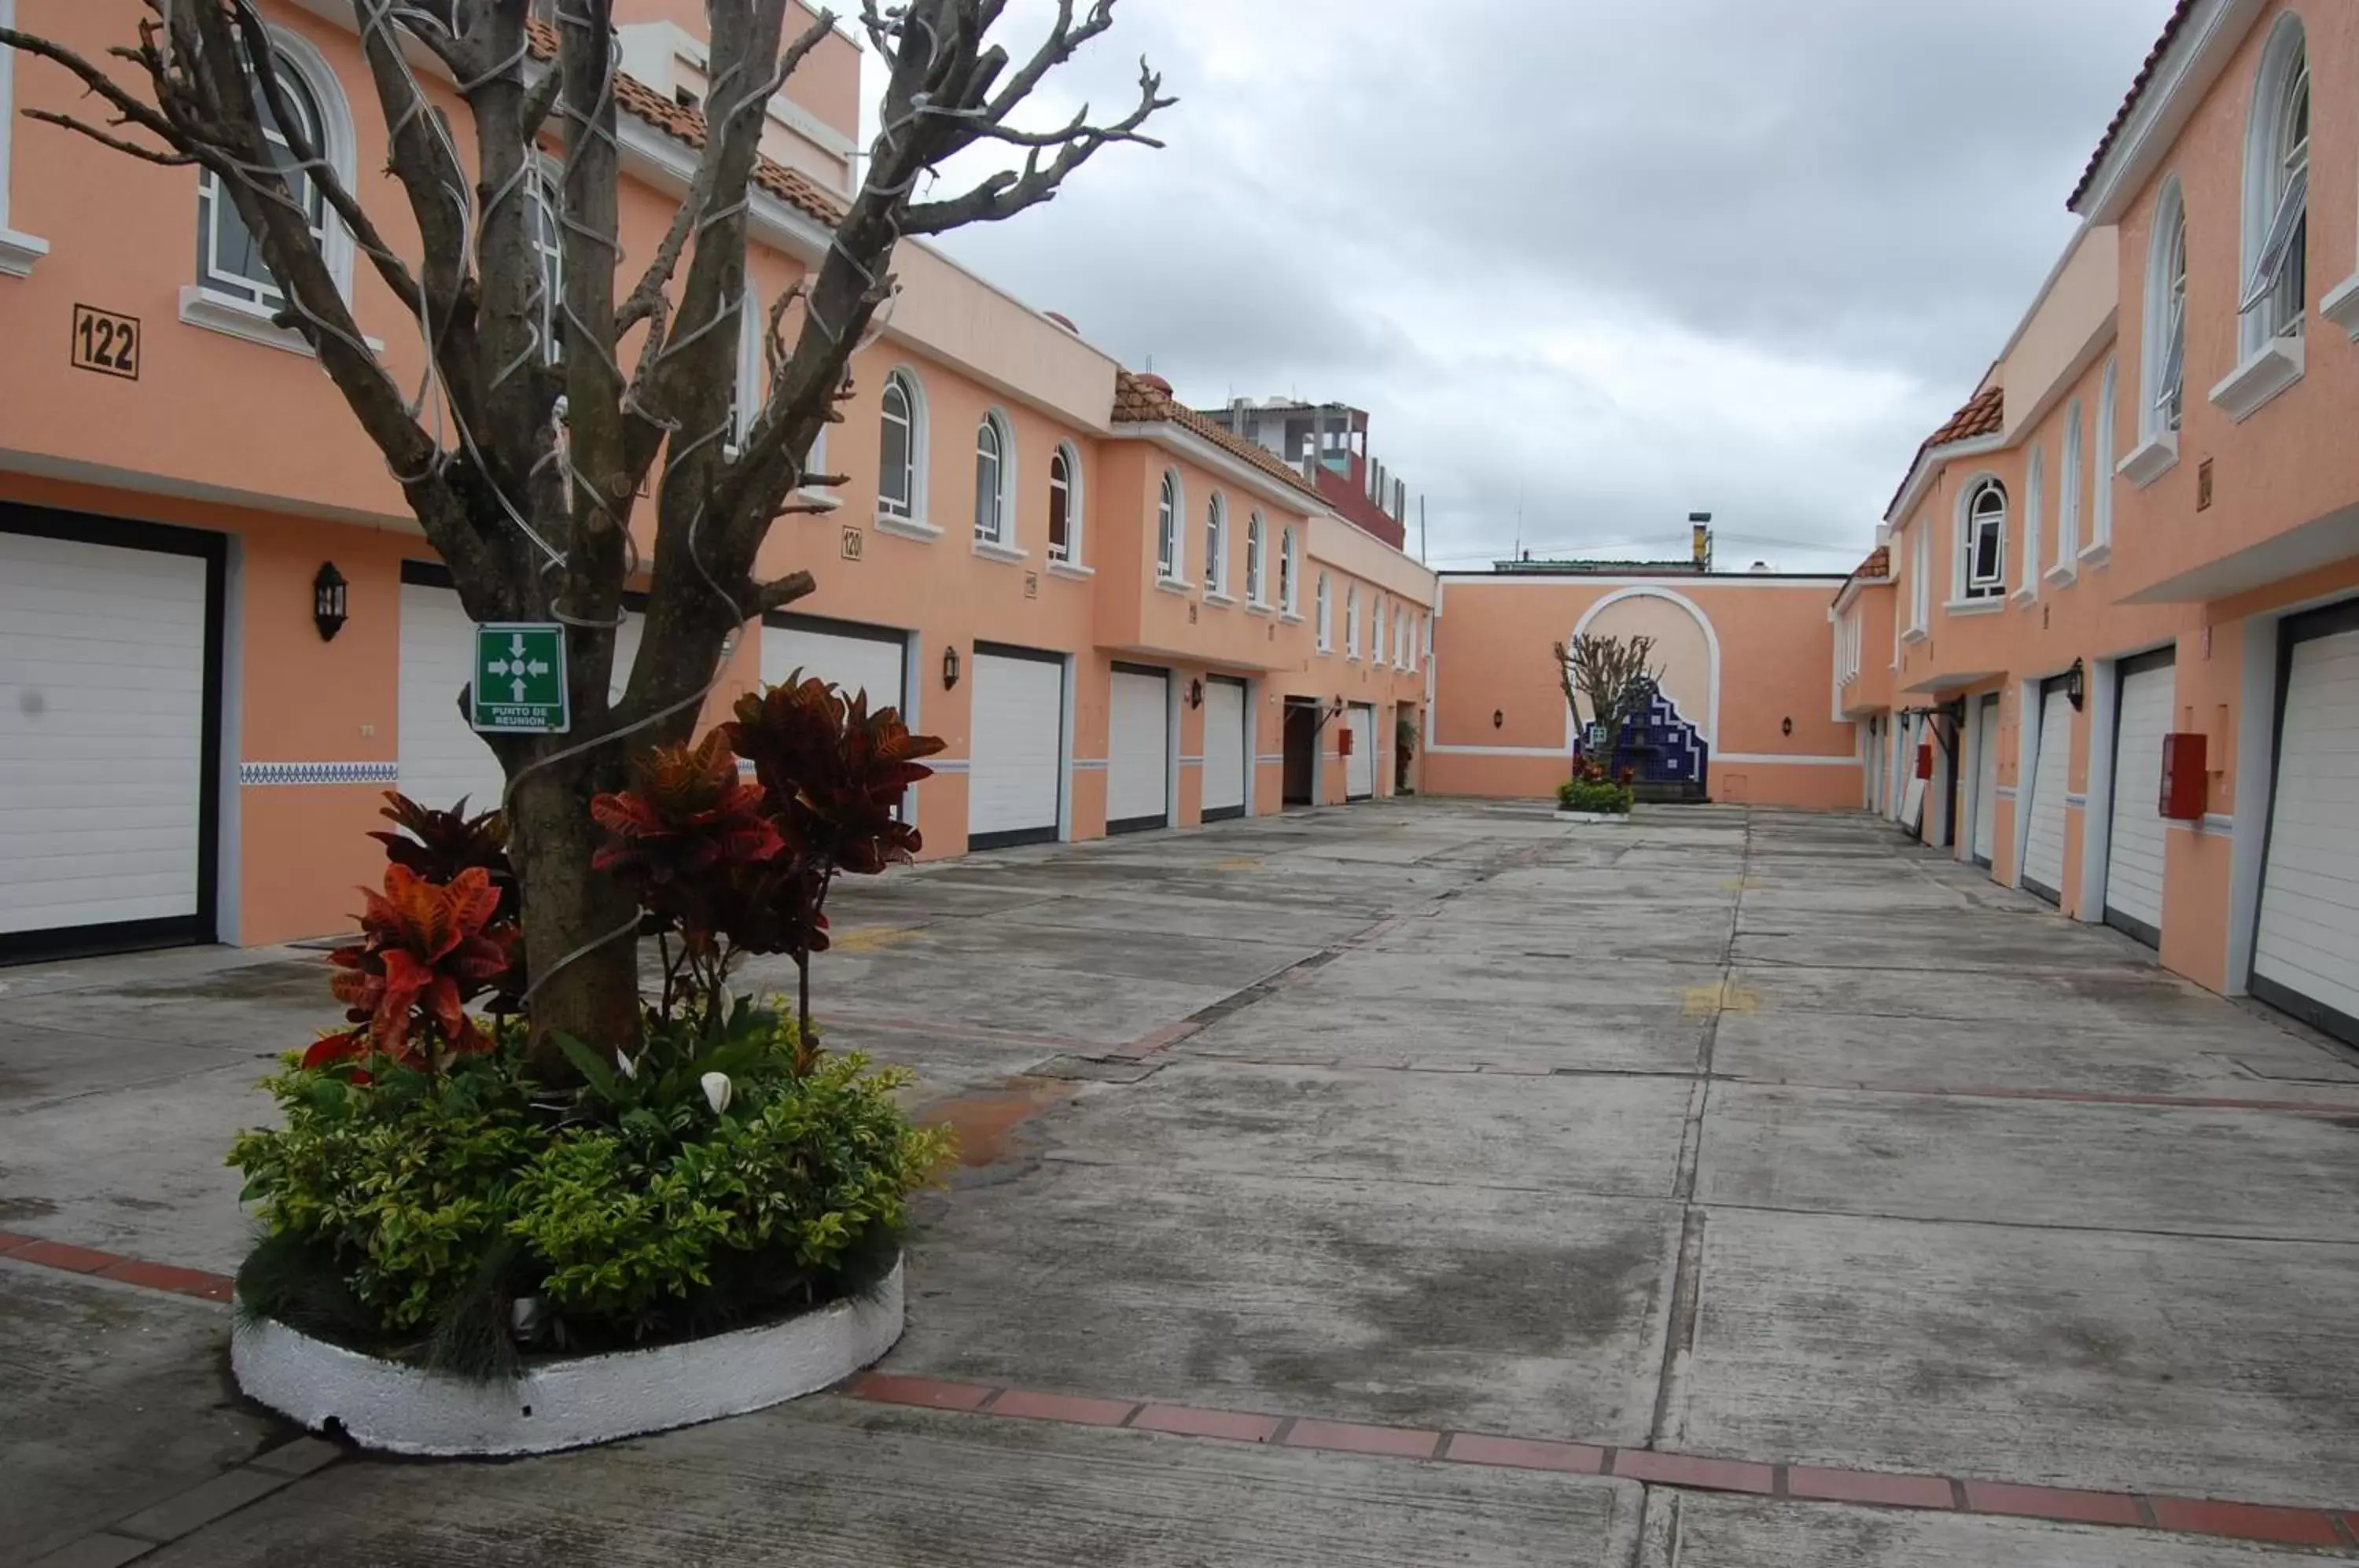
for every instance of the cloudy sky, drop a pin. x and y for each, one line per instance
(1590, 264)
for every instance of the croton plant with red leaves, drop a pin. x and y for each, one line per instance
(427, 949)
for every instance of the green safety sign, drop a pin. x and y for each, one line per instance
(520, 678)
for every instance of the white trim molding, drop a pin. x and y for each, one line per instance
(1710, 727)
(202, 307)
(2340, 305)
(907, 527)
(1070, 569)
(2267, 370)
(2208, 40)
(1561, 753)
(991, 550)
(1985, 607)
(2150, 459)
(1762, 758)
(18, 252)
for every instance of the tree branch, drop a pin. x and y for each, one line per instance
(1006, 193)
(169, 159)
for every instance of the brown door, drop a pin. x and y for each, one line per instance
(1301, 750)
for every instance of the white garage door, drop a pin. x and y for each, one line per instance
(1224, 748)
(2043, 850)
(1985, 779)
(1360, 767)
(2306, 951)
(1017, 752)
(1138, 749)
(106, 720)
(443, 759)
(2137, 836)
(873, 659)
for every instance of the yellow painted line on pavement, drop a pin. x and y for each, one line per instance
(871, 938)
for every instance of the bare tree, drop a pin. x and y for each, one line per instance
(1614, 674)
(523, 460)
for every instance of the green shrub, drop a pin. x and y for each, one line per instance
(413, 1209)
(1594, 795)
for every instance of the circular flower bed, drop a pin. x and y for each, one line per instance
(480, 1236)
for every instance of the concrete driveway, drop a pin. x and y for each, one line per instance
(1413, 1183)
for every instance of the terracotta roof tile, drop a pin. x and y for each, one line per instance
(685, 125)
(1877, 564)
(2171, 31)
(1147, 399)
(1983, 414)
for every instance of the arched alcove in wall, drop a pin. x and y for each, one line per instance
(1686, 649)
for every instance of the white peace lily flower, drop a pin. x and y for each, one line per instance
(717, 1091)
(630, 1069)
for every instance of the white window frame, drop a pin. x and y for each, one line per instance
(2068, 497)
(19, 251)
(1068, 553)
(1171, 505)
(2035, 505)
(2100, 472)
(1969, 589)
(2162, 372)
(995, 487)
(2270, 293)
(1377, 650)
(240, 306)
(1289, 574)
(746, 398)
(1920, 589)
(908, 510)
(1256, 571)
(1216, 547)
(1351, 620)
(1325, 605)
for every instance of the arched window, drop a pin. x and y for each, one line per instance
(1287, 574)
(995, 464)
(2166, 318)
(1167, 530)
(1376, 634)
(2067, 506)
(545, 204)
(900, 477)
(2276, 191)
(1326, 606)
(1256, 588)
(1351, 621)
(2101, 501)
(1982, 565)
(745, 397)
(1064, 505)
(229, 257)
(1216, 546)
(2035, 501)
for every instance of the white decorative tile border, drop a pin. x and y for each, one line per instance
(264, 773)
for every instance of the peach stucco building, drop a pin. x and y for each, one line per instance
(2112, 616)
(1117, 615)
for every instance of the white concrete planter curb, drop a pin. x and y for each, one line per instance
(563, 1404)
(1616, 817)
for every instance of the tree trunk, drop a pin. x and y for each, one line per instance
(567, 905)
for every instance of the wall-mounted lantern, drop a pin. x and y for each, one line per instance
(2076, 681)
(950, 667)
(1195, 694)
(327, 601)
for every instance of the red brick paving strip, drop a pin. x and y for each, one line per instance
(1821, 1484)
(2246, 1521)
(1524, 1454)
(1687, 1470)
(2193, 1516)
(1352, 1437)
(2051, 1503)
(1024, 1403)
(75, 1259)
(165, 1276)
(891, 1389)
(1186, 1421)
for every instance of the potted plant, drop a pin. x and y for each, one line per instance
(463, 1253)
(1592, 795)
